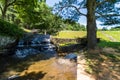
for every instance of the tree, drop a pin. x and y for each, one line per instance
(72, 25)
(26, 11)
(38, 16)
(4, 5)
(104, 29)
(47, 22)
(103, 10)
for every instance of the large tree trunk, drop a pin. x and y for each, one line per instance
(91, 24)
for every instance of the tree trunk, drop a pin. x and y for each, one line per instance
(3, 14)
(4, 9)
(91, 24)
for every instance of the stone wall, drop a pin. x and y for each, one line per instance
(62, 40)
(66, 40)
(5, 40)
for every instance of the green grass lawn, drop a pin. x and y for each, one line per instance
(114, 34)
(102, 36)
(80, 34)
(71, 34)
(105, 41)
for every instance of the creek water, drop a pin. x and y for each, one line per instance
(35, 44)
(41, 44)
(32, 44)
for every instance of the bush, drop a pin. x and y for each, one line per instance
(9, 29)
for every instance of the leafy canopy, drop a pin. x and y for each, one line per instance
(106, 11)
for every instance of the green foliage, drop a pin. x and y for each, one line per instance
(109, 12)
(72, 25)
(4, 6)
(25, 10)
(9, 29)
(39, 17)
(105, 11)
(115, 28)
(36, 14)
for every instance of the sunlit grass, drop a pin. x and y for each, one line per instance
(71, 34)
(102, 36)
(114, 34)
(80, 34)
(105, 41)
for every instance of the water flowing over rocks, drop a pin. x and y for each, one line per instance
(33, 44)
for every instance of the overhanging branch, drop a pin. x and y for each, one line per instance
(1, 8)
(77, 9)
(99, 3)
(106, 15)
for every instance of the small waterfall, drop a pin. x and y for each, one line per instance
(35, 44)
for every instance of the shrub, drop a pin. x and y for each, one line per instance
(9, 29)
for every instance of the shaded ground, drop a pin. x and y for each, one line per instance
(105, 65)
(81, 69)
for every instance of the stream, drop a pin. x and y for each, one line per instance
(32, 44)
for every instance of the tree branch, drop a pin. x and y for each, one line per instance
(12, 3)
(106, 15)
(77, 10)
(73, 7)
(99, 3)
(1, 8)
(81, 5)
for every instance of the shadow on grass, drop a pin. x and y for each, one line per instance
(109, 44)
(105, 65)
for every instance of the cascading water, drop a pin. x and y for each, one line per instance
(34, 44)
(40, 44)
